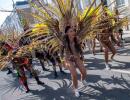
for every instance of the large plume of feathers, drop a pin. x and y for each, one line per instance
(53, 18)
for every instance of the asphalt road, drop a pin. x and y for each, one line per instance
(103, 84)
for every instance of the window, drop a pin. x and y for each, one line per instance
(120, 3)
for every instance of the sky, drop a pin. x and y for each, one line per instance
(5, 5)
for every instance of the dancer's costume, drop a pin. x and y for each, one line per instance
(6, 50)
(88, 22)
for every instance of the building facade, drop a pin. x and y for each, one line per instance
(12, 24)
(25, 16)
(124, 7)
(17, 21)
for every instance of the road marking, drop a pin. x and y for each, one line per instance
(121, 71)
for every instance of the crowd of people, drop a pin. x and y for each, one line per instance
(65, 48)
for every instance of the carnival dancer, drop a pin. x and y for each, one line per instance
(104, 38)
(57, 32)
(121, 40)
(6, 50)
(18, 64)
(22, 63)
(54, 59)
(41, 56)
(72, 56)
(59, 62)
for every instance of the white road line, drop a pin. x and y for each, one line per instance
(121, 71)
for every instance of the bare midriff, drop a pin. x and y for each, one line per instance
(71, 55)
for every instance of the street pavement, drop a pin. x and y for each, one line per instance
(103, 84)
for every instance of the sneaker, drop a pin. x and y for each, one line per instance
(84, 82)
(76, 92)
(107, 66)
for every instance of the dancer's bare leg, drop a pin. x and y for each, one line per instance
(106, 51)
(72, 69)
(112, 49)
(60, 67)
(82, 70)
(93, 45)
(101, 47)
(106, 55)
(89, 45)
